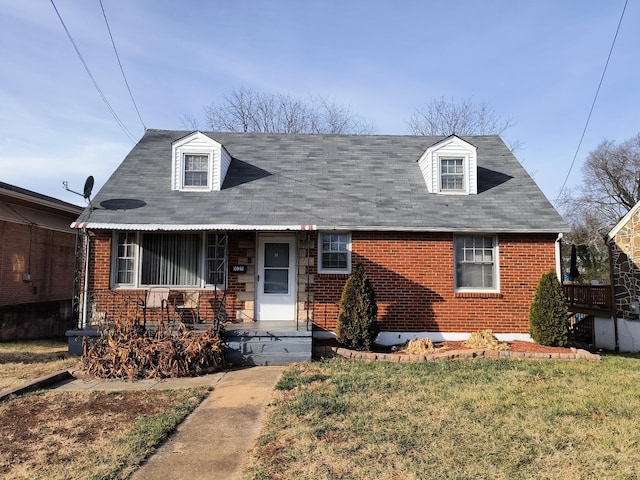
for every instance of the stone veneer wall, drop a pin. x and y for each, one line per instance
(625, 256)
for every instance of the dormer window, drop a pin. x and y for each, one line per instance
(452, 174)
(196, 170)
(198, 163)
(450, 167)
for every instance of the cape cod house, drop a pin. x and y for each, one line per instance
(453, 232)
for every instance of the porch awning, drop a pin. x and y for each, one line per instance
(151, 227)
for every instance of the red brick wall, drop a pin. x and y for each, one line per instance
(48, 255)
(413, 276)
(100, 280)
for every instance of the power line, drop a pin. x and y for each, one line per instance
(593, 104)
(120, 64)
(95, 84)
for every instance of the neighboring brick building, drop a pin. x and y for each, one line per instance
(37, 252)
(452, 232)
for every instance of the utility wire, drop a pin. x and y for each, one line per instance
(593, 104)
(121, 69)
(95, 84)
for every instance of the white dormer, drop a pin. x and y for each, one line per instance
(199, 163)
(450, 167)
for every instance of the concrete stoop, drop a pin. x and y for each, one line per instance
(267, 344)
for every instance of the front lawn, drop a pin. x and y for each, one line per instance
(491, 419)
(26, 360)
(52, 435)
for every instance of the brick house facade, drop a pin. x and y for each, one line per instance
(452, 232)
(37, 260)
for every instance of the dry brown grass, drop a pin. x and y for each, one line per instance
(23, 361)
(485, 339)
(80, 435)
(481, 419)
(421, 346)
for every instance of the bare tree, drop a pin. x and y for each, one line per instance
(443, 117)
(246, 110)
(609, 188)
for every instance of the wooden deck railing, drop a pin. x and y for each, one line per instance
(592, 299)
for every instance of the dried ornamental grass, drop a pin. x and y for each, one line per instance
(486, 340)
(421, 346)
(125, 351)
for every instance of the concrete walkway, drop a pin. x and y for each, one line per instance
(213, 442)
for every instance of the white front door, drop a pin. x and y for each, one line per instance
(276, 278)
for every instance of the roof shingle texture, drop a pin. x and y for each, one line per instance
(350, 182)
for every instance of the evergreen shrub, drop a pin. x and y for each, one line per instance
(548, 314)
(357, 326)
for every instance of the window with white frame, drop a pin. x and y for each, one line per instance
(125, 258)
(452, 174)
(170, 259)
(196, 170)
(334, 252)
(476, 263)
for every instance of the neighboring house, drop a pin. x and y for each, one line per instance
(453, 232)
(622, 332)
(37, 255)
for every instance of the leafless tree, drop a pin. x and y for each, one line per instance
(246, 110)
(609, 188)
(464, 117)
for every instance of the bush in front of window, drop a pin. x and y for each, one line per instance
(548, 314)
(357, 326)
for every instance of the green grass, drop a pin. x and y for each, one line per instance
(495, 419)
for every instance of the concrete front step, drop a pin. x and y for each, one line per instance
(267, 343)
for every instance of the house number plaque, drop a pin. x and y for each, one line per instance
(238, 268)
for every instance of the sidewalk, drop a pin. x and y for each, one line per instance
(213, 442)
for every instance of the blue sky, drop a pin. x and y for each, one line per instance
(536, 62)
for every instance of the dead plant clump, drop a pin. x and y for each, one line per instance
(422, 346)
(485, 339)
(124, 350)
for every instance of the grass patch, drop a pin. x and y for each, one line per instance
(88, 435)
(27, 360)
(498, 419)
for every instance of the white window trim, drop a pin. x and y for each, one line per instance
(202, 273)
(196, 188)
(339, 271)
(496, 266)
(465, 174)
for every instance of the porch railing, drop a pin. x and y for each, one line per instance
(107, 305)
(590, 299)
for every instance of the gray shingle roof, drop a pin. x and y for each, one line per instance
(350, 182)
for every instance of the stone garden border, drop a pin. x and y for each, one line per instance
(328, 351)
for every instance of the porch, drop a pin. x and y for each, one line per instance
(585, 302)
(247, 343)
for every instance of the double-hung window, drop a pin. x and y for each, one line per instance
(334, 252)
(196, 170)
(169, 259)
(476, 263)
(452, 174)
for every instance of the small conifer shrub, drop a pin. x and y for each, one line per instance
(548, 314)
(357, 326)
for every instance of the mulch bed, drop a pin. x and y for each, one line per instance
(453, 350)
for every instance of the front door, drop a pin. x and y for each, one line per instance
(276, 275)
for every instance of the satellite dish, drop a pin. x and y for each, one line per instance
(88, 186)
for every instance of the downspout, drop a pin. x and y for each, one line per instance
(85, 293)
(559, 257)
